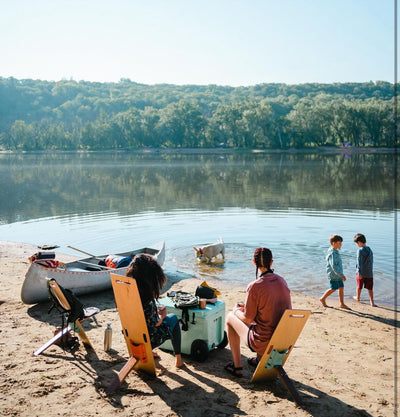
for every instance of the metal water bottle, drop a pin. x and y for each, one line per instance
(107, 337)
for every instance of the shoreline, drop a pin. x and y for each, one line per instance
(322, 150)
(342, 364)
(20, 249)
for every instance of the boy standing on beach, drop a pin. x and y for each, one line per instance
(335, 271)
(364, 273)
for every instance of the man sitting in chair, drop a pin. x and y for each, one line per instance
(254, 322)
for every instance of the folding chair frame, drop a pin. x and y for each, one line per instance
(64, 304)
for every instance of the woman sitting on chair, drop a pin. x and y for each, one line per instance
(150, 279)
(254, 322)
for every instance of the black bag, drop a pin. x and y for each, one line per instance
(45, 255)
(205, 292)
(76, 306)
(76, 311)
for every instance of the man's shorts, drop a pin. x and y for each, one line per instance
(367, 283)
(336, 284)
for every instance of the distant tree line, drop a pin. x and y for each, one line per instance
(71, 115)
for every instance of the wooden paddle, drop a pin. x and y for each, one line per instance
(86, 253)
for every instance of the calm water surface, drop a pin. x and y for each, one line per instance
(107, 203)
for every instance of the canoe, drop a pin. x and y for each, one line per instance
(82, 276)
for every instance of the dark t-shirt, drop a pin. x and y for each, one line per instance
(365, 260)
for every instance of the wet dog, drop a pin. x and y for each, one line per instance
(208, 252)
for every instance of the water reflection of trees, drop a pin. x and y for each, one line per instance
(41, 185)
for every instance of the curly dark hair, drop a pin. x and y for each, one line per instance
(149, 276)
(262, 258)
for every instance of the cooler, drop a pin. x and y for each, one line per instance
(205, 328)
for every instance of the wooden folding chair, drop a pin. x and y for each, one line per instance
(64, 307)
(278, 350)
(134, 329)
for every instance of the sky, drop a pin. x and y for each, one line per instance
(223, 42)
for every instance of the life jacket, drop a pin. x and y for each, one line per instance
(117, 261)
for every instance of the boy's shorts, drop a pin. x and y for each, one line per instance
(367, 283)
(336, 284)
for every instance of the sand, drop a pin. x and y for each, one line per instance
(343, 363)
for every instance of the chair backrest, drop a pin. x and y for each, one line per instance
(65, 301)
(57, 296)
(133, 322)
(283, 339)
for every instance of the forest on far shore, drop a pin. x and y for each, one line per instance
(71, 115)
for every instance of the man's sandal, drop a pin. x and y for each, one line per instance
(234, 371)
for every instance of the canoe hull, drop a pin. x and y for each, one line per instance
(76, 278)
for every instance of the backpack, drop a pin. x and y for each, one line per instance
(68, 341)
(76, 311)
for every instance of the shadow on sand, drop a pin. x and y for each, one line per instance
(195, 394)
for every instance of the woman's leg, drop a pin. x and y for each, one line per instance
(173, 323)
(237, 331)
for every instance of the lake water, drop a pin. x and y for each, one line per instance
(112, 202)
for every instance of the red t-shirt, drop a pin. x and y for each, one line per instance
(266, 300)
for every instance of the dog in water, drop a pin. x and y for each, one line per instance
(208, 252)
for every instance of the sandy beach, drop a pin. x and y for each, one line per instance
(343, 363)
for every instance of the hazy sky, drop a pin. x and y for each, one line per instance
(224, 42)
